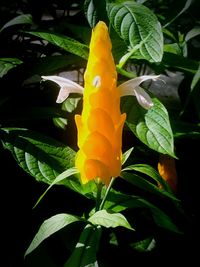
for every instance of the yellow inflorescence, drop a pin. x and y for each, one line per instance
(101, 122)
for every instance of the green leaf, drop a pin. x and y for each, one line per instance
(126, 155)
(94, 11)
(106, 219)
(151, 172)
(84, 254)
(21, 19)
(49, 227)
(59, 178)
(142, 183)
(7, 64)
(151, 126)
(195, 79)
(118, 202)
(68, 44)
(42, 157)
(136, 24)
(144, 245)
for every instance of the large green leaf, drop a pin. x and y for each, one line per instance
(151, 126)
(84, 254)
(136, 24)
(66, 43)
(107, 219)
(7, 64)
(49, 227)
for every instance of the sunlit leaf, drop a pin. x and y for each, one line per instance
(136, 24)
(107, 219)
(151, 126)
(126, 155)
(49, 227)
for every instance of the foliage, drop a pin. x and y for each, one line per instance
(53, 37)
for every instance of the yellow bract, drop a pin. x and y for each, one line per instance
(101, 122)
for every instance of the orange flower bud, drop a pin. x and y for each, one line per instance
(167, 169)
(101, 122)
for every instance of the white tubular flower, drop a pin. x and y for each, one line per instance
(132, 87)
(66, 87)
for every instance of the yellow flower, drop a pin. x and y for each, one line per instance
(101, 123)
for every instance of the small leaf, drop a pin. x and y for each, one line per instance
(66, 43)
(7, 64)
(192, 33)
(126, 155)
(85, 251)
(151, 126)
(21, 19)
(136, 24)
(106, 219)
(147, 244)
(49, 227)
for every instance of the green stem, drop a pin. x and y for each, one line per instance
(98, 199)
(106, 194)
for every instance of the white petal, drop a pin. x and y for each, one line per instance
(127, 88)
(66, 87)
(143, 98)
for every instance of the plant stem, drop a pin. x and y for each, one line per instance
(98, 199)
(106, 194)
